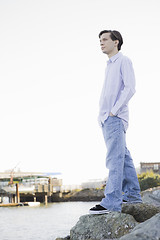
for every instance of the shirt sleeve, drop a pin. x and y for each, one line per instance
(128, 78)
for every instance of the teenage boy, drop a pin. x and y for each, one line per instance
(118, 88)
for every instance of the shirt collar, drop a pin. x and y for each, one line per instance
(114, 58)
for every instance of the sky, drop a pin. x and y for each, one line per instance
(51, 76)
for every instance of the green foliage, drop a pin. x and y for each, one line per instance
(148, 180)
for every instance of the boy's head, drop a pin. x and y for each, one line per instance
(114, 35)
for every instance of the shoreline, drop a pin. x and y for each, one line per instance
(89, 195)
(85, 195)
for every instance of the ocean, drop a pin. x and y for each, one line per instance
(41, 223)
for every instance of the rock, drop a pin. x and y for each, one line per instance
(151, 196)
(148, 230)
(85, 195)
(115, 225)
(98, 227)
(140, 211)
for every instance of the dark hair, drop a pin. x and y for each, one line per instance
(115, 35)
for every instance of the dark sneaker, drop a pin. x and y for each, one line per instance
(131, 202)
(98, 209)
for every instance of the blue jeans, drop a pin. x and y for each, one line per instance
(122, 175)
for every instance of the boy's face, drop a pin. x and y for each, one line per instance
(107, 44)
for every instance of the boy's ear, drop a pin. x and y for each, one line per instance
(116, 42)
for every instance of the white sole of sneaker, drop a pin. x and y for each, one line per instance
(130, 202)
(99, 212)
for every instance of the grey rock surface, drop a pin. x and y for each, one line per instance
(98, 227)
(90, 229)
(148, 230)
(151, 196)
(140, 211)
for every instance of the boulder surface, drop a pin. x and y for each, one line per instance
(148, 230)
(140, 211)
(151, 196)
(107, 226)
(136, 222)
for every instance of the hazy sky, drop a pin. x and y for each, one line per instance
(51, 75)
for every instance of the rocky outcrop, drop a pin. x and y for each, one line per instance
(107, 226)
(141, 212)
(114, 225)
(151, 196)
(84, 195)
(148, 230)
(136, 222)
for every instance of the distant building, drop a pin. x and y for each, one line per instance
(148, 166)
(31, 185)
(93, 183)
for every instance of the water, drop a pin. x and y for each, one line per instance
(41, 223)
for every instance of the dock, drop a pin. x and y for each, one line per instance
(10, 204)
(29, 187)
(30, 204)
